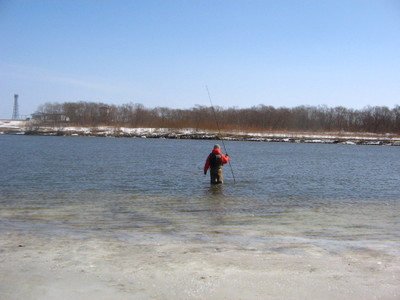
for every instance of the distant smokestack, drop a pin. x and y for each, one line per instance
(15, 115)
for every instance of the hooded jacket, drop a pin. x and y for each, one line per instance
(224, 159)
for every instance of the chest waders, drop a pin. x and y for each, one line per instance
(216, 168)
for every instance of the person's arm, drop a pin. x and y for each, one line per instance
(225, 158)
(207, 165)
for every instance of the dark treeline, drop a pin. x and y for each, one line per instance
(377, 119)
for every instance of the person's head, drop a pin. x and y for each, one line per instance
(216, 146)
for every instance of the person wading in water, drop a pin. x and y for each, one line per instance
(214, 162)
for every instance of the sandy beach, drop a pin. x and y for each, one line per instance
(66, 268)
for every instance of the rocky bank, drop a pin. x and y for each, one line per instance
(27, 127)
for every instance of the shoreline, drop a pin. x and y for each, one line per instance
(19, 127)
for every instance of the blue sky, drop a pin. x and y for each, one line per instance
(165, 53)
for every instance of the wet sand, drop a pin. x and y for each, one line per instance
(35, 267)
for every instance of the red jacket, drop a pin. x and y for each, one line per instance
(224, 159)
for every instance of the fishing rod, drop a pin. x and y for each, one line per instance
(219, 130)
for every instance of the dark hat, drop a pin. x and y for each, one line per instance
(216, 146)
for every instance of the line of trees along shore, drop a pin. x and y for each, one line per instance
(377, 119)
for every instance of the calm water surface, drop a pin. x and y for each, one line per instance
(335, 195)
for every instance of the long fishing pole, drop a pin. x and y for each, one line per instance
(219, 130)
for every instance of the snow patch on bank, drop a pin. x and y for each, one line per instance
(348, 138)
(16, 124)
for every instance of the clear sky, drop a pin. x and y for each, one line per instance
(165, 53)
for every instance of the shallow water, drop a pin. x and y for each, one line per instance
(291, 199)
(108, 186)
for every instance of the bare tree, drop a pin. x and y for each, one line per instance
(376, 119)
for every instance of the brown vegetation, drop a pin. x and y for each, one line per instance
(378, 119)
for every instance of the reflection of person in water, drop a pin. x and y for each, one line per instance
(214, 162)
